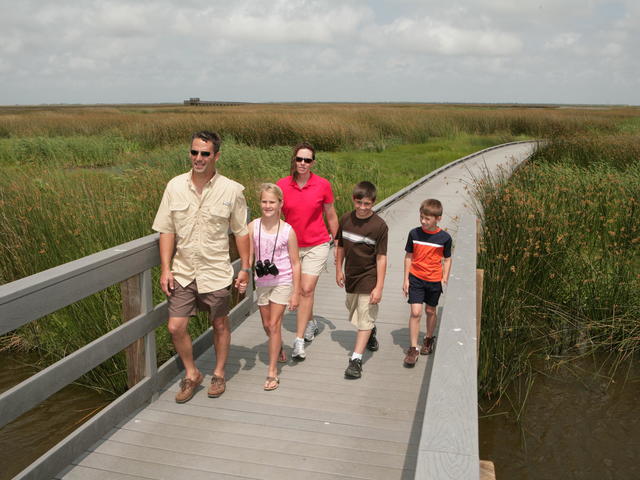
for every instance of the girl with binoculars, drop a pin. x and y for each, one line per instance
(274, 248)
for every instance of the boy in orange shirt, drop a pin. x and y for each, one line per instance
(427, 264)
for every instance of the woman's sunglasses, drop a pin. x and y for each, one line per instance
(305, 160)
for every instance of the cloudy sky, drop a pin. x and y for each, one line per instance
(116, 51)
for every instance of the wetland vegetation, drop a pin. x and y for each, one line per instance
(560, 245)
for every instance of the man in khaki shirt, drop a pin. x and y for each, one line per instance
(194, 217)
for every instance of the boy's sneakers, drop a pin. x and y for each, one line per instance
(411, 358)
(311, 331)
(354, 370)
(298, 350)
(427, 345)
(372, 343)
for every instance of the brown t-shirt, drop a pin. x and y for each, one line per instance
(362, 239)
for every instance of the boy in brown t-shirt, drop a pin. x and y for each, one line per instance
(362, 245)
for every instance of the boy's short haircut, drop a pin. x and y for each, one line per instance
(431, 207)
(365, 190)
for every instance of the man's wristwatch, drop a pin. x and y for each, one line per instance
(248, 270)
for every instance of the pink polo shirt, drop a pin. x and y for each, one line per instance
(303, 208)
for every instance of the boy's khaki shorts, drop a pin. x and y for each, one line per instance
(279, 294)
(361, 313)
(314, 259)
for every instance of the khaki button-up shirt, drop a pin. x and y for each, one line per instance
(201, 225)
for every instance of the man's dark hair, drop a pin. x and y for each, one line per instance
(208, 136)
(365, 190)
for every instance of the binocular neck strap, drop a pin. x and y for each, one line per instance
(275, 242)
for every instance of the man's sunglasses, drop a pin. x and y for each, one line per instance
(196, 152)
(305, 160)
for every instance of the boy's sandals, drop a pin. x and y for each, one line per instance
(271, 383)
(282, 357)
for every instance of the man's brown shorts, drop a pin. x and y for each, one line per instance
(187, 302)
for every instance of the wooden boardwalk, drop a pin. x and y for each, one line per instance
(317, 425)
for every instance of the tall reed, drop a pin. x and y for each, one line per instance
(561, 253)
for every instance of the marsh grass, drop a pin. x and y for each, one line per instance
(561, 253)
(78, 180)
(67, 152)
(329, 127)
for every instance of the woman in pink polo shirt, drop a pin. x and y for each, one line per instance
(306, 198)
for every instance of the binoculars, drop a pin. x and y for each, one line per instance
(266, 268)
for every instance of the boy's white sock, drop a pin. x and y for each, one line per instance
(357, 356)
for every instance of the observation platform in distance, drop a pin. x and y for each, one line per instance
(196, 102)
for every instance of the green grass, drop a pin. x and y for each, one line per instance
(67, 152)
(561, 253)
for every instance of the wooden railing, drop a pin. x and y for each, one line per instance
(32, 297)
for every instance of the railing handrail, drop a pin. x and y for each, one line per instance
(30, 298)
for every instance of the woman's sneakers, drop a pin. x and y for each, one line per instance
(311, 331)
(298, 350)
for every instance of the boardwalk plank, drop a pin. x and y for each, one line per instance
(301, 424)
(252, 386)
(249, 467)
(395, 378)
(303, 445)
(80, 472)
(359, 467)
(348, 415)
(141, 467)
(272, 433)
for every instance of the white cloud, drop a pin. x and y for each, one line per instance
(612, 50)
(156, 50)
(563, 41)
(124, 19)
(427, 35)
(291, 22)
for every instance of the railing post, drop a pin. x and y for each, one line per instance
(151, 362)
(132, 304)
(150, 358)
